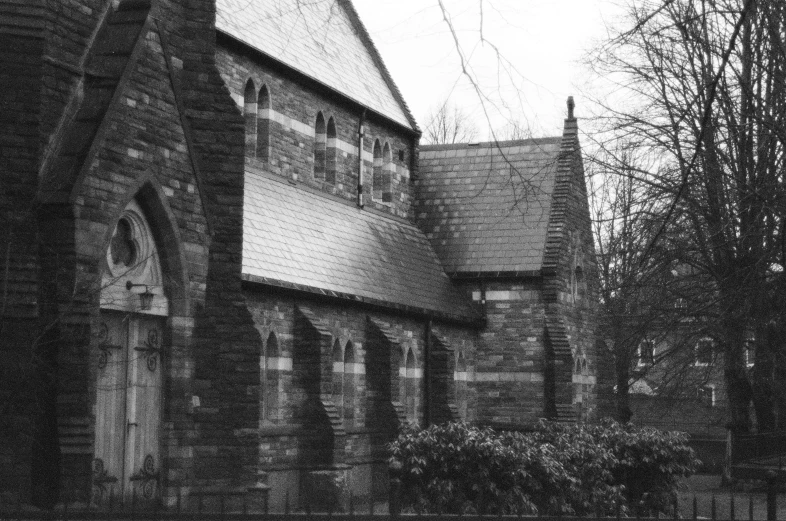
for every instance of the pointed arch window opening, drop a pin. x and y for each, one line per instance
(376, 169)
(320, 147)
(349, 384)
(337, 380)
(250, 118)
(331, 152)
(270, 378)
(411, 386)
(387, 174)
(264, 108)
(382, 182)
(461, 385)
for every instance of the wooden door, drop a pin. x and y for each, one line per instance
(128, 407)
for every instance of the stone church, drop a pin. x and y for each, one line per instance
(229, 268)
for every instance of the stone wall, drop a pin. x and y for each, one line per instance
(291, 117)
(315, 424)
(510, 359)
(571, 288)
(154, 123)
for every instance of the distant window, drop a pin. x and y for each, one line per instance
(401, 155)
(250, 117)
(263, 124)
(750, 351)
(645, 353)
(680, 303)
(706, 395)
(331, 152)
(704, 351)
(320, 147)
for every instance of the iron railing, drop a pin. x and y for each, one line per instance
(716, 507)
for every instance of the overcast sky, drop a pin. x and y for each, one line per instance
(541, 47)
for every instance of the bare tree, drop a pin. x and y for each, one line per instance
(448, 124)
(649, 299)
(514, 130)
(704, 99)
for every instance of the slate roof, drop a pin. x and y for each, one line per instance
(323, 39)
(485, 207)
(297, 238)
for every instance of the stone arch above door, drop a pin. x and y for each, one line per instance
(132, 265)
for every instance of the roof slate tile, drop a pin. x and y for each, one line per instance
(295, 236)
(317, 39)
(486, 208)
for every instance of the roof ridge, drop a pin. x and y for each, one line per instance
(492, 144)
(349, 8)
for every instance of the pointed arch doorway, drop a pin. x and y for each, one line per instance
(134, 308)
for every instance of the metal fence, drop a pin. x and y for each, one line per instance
(727, 507)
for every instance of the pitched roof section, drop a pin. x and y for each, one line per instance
(323, 39)
(301, 239)
(486, 207)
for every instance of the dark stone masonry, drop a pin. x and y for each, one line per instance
(229, 266)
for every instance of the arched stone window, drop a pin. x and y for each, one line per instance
(271, 376)
(581, 386)
(350, 380)
(331, 152)
(577, 283)
(387, 174)
(320, 147)
(411, 384)
(376, 181)
(263, 124)
(461, 385)
(250, 116)
(338, 376)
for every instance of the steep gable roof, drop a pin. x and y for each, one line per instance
(323, 39)
(486, 207)
(306, 240)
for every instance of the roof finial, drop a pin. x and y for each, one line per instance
(571, 106)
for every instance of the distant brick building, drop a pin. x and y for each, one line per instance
(229, 267)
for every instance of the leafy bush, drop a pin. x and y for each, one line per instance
(568, 469)
(461, 469)
(594, 488)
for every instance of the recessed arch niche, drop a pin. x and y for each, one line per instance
(132, 257)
